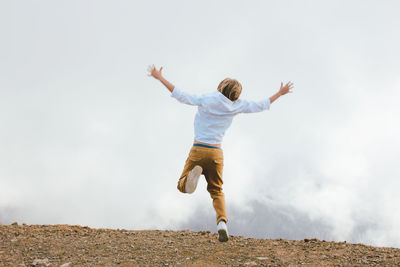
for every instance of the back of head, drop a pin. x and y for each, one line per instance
(230, 88)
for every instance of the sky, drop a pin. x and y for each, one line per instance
(88, 138)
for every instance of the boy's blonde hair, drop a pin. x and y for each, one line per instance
(230, 88)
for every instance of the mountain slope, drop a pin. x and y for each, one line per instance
(66, 245)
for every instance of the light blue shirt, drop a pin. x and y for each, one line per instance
(215, 113)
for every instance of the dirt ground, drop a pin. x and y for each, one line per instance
(66, 245)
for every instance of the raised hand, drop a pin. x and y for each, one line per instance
(286, 89)
(152, 71)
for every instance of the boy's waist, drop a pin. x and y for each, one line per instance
(201, 144)
(207, 146)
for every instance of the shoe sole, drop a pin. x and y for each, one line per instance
(222, 235)
(193, 179)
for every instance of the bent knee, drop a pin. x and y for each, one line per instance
(215, 191)
(181, 187)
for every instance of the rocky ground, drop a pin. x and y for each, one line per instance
(66, 245)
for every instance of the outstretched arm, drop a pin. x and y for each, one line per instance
(253, 106)
(282, 91)
(157, 75)
(181, 96)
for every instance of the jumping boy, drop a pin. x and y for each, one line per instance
(214, 116)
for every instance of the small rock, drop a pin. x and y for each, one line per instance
(41, 262)
(262, 258)
(66, 264)
(14, 224)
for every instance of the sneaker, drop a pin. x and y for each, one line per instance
(193, 179)
(222, 232)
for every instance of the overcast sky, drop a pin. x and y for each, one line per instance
(87, 138)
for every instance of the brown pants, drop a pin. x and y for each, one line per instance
(212, 162)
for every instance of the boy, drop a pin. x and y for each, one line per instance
(214, 116)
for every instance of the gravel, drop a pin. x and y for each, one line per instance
(69, 245)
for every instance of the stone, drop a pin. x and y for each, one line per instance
(41, 262)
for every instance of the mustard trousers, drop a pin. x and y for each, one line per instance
(212, 162)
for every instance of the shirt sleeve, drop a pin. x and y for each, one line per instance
(186, 98)
(254, 106)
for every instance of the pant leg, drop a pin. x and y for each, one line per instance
(213, 173)
(194, 158)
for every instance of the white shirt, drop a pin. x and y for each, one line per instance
(215, 113)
